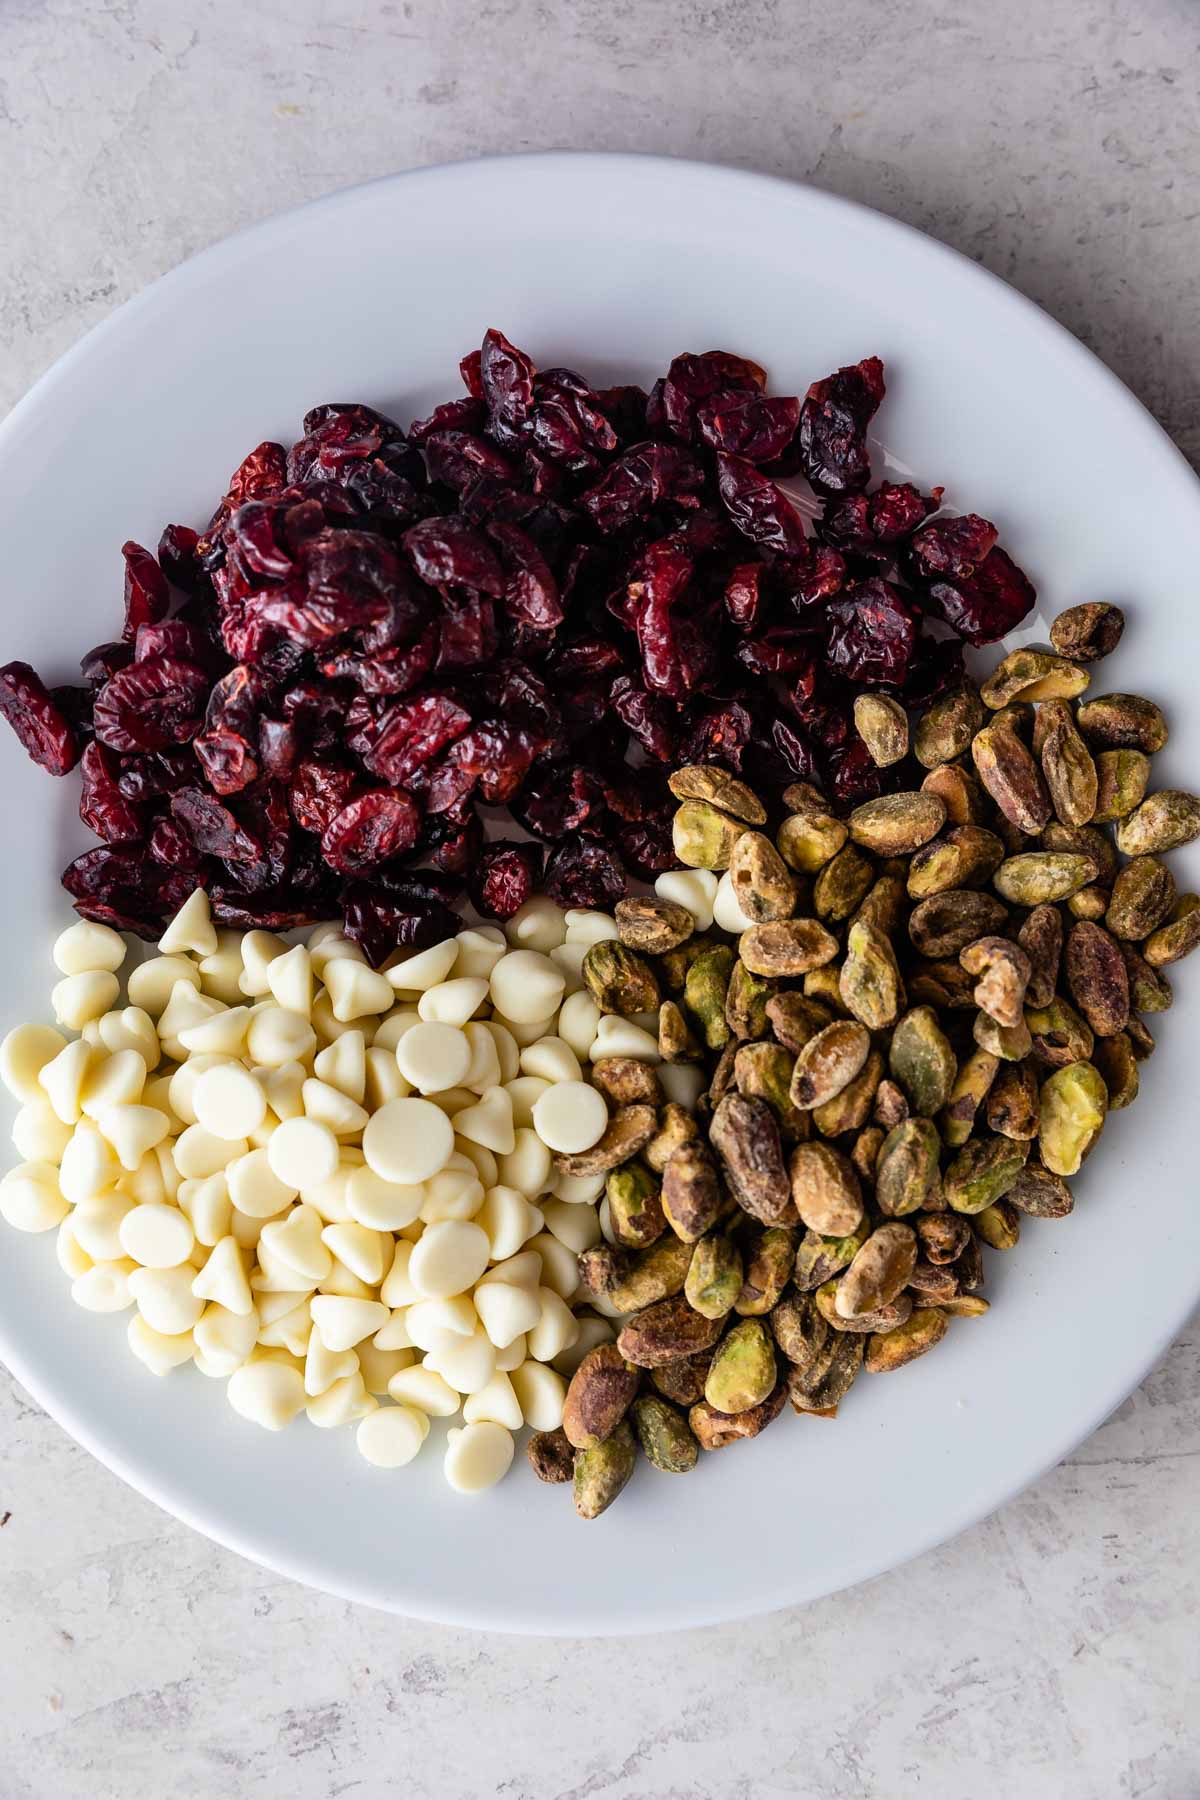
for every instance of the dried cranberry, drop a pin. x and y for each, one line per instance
(986, 605)
(952, 547)
(717, 732)
(504, 878)
(853, 775)
(171, 845)
(278, 748)
(338, 434)
(467, 636)
(647, 846)
(227, 745)
(171, 637)
(625, 408)
(263, 472)
(759, 510)
(42, 726)
(531, 592)
(832, 438)
(318, 791)
(147, 777)
(451, 841)
(456, 457)
(506, 378)
(449, 553)
(212, 827)
(778, 753)
(100, 664)
(640, 480)
(780, 650)
(122, 886)
(692, 379)
(748, 424)
(455, 415)
(102, 806)
(493, 757)
(395, 671)
(559, 799)
(471, 369)
(872, 634)
(410, 733)
(177, 556)
(264, 911)
(674, 634)
(380, 824)
(744, 592)
(649, 718)
(584, 874)
(569, 428)
(147, 595)
(381, 922)
(936, 667)
(151, 705)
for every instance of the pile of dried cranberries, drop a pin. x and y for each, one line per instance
(377, 633)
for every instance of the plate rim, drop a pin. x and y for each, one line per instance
(45, 391)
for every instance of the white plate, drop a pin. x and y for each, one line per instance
(613, 264)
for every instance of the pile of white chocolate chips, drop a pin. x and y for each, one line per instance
(333, 1187)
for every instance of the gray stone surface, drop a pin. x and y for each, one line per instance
(1050, 1654)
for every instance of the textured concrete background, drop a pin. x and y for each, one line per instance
(1050, 1654)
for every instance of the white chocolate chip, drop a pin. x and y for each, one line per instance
(570, 1117)
(454, 1002)
(391, 1436)
(160, 1354)
(228, 1101)
(479, 950)
(449, 1258)
(423, 969)
(223, 1279)
(30, 1198)
(39, 1134)
(556, 1329)
(527, 1167)
(225, 1339)
(158, 1237)
(191, 930)
(343, 1064)
(341, 1404)
(277, 1036)
(621, 1037)
(540, 1393)
(578, 1023)
(587, 926)
(383, 1205)
(526, 986)
(540, 924)
(76, 999)
(508, 1219)
(524, 1093)
(505, 1311)
(406, 1141)
(269, 1394)
(259, 951)
(104, 1287)
(87, 945)
(560, 1269)
(425, 1389)
(574, 1226)
(496, 1401)
(290, 980)
(489, 1121)
(302, 1153)
(344, 1323)
(726, 911)
(694, 889)
(165, 1299)
(356, 991)
(477, 1457)
(433, 1057)
(467, 1363)
(62, 1077)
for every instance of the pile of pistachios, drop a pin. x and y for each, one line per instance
(931, 1007)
